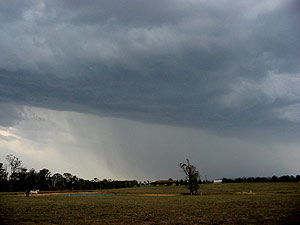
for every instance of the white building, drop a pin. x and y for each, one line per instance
(217, 181)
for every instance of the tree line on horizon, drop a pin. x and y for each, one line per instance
(285, 178)
(21, 179)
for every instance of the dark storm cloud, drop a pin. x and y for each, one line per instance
(128, 13)
(230, 66)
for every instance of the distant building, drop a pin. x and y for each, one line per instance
(217, 181)
(169, 182)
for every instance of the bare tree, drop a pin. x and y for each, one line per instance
(14, 163)
(192, 176)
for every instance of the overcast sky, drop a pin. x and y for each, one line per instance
(128, 89)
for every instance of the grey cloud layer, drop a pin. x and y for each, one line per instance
(9, 114)
(215, 65)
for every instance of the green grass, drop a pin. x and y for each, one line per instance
(273, 203)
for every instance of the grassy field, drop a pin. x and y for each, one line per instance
(255, 203)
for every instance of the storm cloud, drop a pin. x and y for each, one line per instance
(227, 68)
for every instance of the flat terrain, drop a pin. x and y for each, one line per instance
(248, 203)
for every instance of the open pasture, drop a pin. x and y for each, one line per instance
(248, 203)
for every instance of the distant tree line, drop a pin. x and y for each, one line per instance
(14, 177)
(285, 178)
